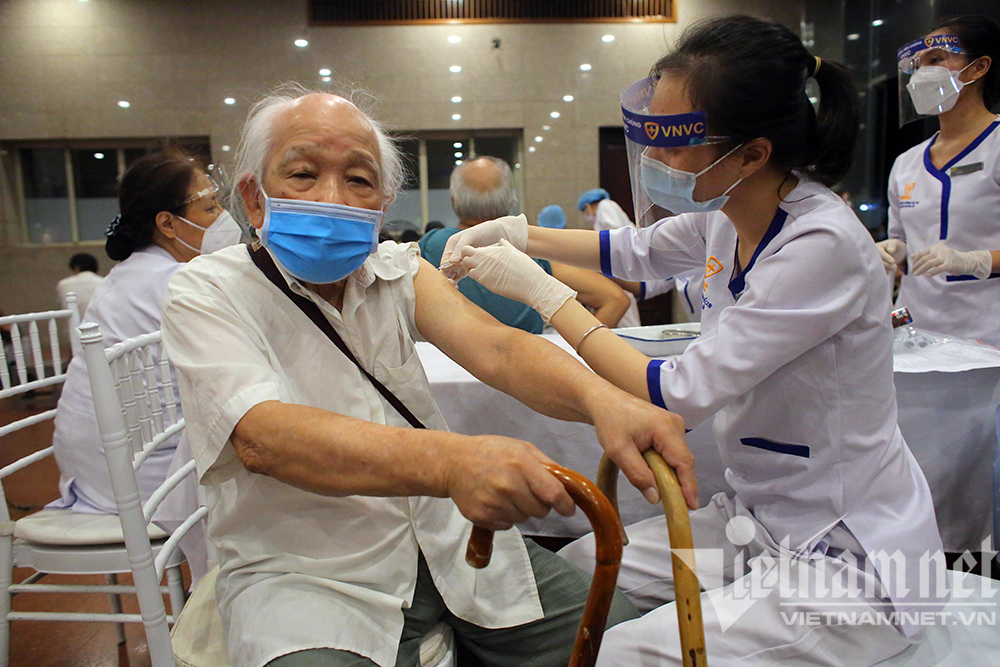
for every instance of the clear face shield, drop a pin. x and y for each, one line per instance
(644, 133)
(929, 81)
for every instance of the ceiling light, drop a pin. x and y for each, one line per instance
(853, 37)
(458, 153)
(325, 72)
(301, 43)
(538, 140)
(456, 116)
(608, 38)
(546, 127)
(585, 67)
(457, 144)
(517, 165)
(99, 156)
(458, 162)
(225, 148)
(326, 79)
(230, 100)
(531, 149)
(567, 98)
(554, 114)
(123, 104)
(454, 69)
(877, 22)
(456, 99)
(454, 39)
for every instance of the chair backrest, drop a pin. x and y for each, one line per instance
(136, 406)
(25, 355)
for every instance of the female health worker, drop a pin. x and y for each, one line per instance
(944, 193)
(794, 360)
(170, 214)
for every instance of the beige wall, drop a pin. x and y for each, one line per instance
(64, 64)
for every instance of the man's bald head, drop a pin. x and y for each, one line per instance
(482, 189)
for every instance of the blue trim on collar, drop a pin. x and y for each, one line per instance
(739, 281)
(604, 237)
(687, 283)
(779, 447)
(653, 383)
(958, 279)
(642, 290)
(942, 173)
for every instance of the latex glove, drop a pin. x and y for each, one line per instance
(939, 258)
(893, 253)
(513, 228)
(505, 270)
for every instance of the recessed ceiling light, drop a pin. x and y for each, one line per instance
(458, 162)
(457, 144)
(567, 98)
(531, 149)
(226, 148)
(585, 67)
(325, 72)
(554, 114)
(99, 156)
(517, 165)
(546, 127)
(456, 116)
(123, 104)
(454, 39)
(326, 79)
(458, 153)
(877, 22)
(456, 99)
(455, 69)
(853, 37)
(302, 43)
(230, 100)
(538, 140)
(608, 38)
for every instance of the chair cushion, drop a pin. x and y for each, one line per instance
(197, 637)
(69, 528)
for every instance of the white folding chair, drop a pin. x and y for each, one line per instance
(53, 541)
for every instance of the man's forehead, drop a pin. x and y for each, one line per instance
(322, 120)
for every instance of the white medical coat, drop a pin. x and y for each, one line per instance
(125, 304)
(795, 362)
(928, 205)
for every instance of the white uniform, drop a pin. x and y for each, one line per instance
(960, 205)
(81, 284)
(795, 362)
(609, 215)
(125, 304)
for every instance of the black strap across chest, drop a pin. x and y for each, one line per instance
(266, 265)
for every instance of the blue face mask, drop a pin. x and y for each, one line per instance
(673, 189)
(318, 242)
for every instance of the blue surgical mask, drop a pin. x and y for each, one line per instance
(319, 242)
(673, 189)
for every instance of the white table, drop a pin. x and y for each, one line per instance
(947, 417)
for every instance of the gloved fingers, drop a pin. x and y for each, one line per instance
(926, 262)
(888, 261)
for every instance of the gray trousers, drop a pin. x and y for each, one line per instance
(562, 589)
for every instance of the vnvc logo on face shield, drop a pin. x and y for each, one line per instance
(652, 129)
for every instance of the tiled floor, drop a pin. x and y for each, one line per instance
(43, 644)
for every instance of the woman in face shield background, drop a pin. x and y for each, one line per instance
(794, 361)
(944, 193)
(170, 214)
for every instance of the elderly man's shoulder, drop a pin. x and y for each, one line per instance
(217, 270)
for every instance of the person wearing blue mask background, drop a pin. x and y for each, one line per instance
(944, 193)
(333, 483)
(794, 360)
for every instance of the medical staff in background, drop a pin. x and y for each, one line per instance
(944, 193)
(170, 214)
(794, 361)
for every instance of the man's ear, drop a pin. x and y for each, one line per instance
(252, 204)
(166, 224)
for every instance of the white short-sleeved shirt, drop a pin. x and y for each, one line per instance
(82, 285)
(795, 362)
(125, 304)
(301, 570)
(960, 205)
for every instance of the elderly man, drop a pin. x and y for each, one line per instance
(340, 529)
(483, 189)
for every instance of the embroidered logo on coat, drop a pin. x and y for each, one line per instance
(712, 266)
(908, 192)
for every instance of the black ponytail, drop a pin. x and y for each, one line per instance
(157, 182)
(749, 75)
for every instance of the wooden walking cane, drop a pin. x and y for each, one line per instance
(686, 589)
(607, 534)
